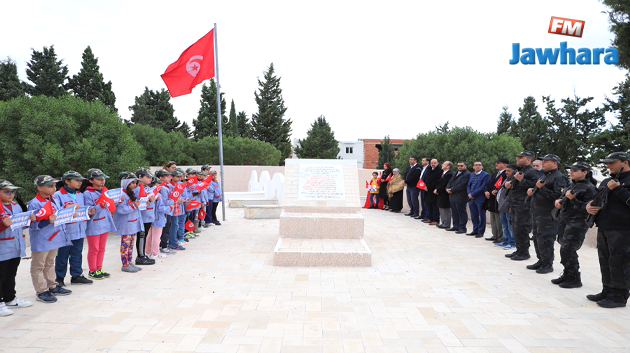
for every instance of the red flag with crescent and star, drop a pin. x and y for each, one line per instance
(178, 191)
(45, 212)
(195, 65)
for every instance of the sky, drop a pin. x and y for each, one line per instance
(394, 68)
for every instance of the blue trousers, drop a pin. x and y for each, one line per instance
(412, 199)
(172, 233)
(423, 211)
(208, 218)
(73, 254)
(508, 229)
(460, 217)
(478, 217)
(182, 227)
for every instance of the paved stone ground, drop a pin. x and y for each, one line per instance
(427, 291)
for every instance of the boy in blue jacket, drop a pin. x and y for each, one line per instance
(12, 249)
(217, 196)
(45, 240)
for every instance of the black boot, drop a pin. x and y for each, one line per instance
(562, 278)
(599, 296)
(617, 298)
(545, 268)
(534, 266)
(573, 280)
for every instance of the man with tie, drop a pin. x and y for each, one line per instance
(411, 180)
(456, 188)
(432, 178)
(491, 194)
(476, 197)
(423, 203)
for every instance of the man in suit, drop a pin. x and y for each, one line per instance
(425, 168)
(476, 197)
(444, 205)
(432, 178)
(411, 180)
(491, 194)
(456, 188)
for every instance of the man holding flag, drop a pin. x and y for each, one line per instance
(492, 189)
(411, 181)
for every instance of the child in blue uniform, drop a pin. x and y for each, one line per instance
(128, 221)
(162, 207)
(217, 196)
(12, 249)
(70, 196)
(148, 216)
(45, 240)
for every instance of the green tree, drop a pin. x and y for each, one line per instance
(154, 108)
(46, 135)
(464, 144)
(531, 128)
(570, 127)
(89, 84)
(231, 128)
(617, 137)
(244, 126)
(268, 124)
(236, 151)
(160, 146)
(619, 18)
(10, 84)
(506, 121)
(184, 128)
(320, 142)
(46, 73)
(443, 128)
(386, 154)
(206, 123)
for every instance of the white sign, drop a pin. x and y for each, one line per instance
(321, 182)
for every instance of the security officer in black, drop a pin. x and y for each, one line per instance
(524, 179)
(543, 197)
(613, 233)
(572, 224)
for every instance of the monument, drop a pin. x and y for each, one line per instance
(320, 223)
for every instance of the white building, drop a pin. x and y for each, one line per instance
(348, 150)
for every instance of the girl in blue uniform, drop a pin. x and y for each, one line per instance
(128, 221)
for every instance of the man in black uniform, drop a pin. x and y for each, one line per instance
(524, 179)
(543, 197)
(613, 233)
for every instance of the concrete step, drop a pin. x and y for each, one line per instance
(262, 211)
(321, 252)
(240, 203)
(244, 195)
(321, 225)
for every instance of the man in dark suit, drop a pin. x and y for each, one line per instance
(411, 180)
(431, 179)
(444, 205)
(476, 195)
(491, 194)
(425, 168)
(456, 188)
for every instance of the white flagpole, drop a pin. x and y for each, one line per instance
(216, 73)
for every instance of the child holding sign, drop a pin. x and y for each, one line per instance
(148, 214)
(70, 196)
(128, 221)
(101, 222)
(46, 238)
(12, 249)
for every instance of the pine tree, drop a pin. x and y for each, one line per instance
(206, 123)
(387, 153)
(530, 128)
(443, 128)
(320, 142)
(244, 127)
(618, 16)
(185, 129)
(46, 73)
(89, 84)
(231, 128)
(10, 84)
(268, 124)
(154, 108)
(617, 137)
(506, 121)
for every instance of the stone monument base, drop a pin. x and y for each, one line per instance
(321, 252)
(321, 225)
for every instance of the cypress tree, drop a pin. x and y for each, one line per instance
(10, 84)
(89, 84)
(531, 128)
(206, 122)
(387, 153)
(505, 121)
(154, 108)
(320, 142)
(268, 124)
(244, 127)
(232, 125)
(46, 73)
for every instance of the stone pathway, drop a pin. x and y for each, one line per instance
(428, 290)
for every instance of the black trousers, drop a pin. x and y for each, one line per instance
(8, 271)
(214, 212)
(545, 230)
(613, 248)
(412, 199)
(433, 212)
(165, 233)
(571, 236)
(141, 240)
(522, 223)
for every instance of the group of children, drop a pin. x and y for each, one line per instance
(159, 213)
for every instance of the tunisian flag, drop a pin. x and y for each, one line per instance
(195, 65)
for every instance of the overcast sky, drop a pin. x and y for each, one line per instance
(371, 68)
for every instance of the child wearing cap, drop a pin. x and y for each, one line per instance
(12, 249)
(100, 224)
(163, 205)
(209, 191)
(128, 221)
(179, 216)
(70, 196)
(148, 215)
(217, 196)
(45, 240)
(166, 188)
(195, 194)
